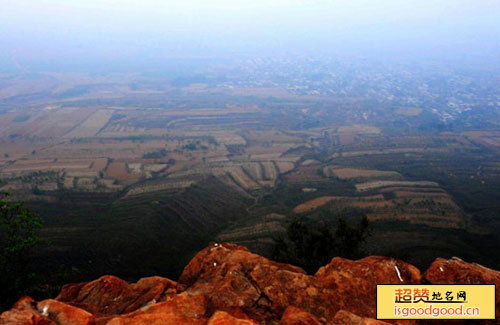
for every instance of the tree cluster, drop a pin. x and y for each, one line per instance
(311, 247)
(18, 239)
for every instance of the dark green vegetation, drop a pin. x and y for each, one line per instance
(20, 238)
(134, 236)
(155, 154)
(312, 246)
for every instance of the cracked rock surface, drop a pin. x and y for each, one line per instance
(227, 284)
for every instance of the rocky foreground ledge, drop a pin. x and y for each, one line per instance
(227, 284)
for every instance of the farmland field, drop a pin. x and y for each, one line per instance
(347, 173)
(160, 170)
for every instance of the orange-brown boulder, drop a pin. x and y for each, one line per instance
(24, 312)
(456, 271)
(23, 317)
(65, 314)
(157, 319)
(183, 308)
(202, 264)
(223, 318)
(296, 316)
(227, 284)
(236, 312)
(353, 284)
(346, 318)
(231, 276)
(110, 295)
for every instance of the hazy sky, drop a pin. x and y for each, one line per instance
(77, 29)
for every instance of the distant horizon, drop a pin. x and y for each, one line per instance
(53, 31)
(134, 133)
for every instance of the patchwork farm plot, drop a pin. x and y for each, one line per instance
(162, 160)
(142, 151)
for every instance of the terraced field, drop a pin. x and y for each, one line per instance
(92, 125)
(378, 184)
(179, 171)
(349, 173)
(362, 202)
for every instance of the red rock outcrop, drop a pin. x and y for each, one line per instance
(456, 271)
(353, 284)
(227, 284)
(346, 318)
(62, 313)
(223, 318)
(296, 316)
(110, 295)
(24, 312)
(183, 308)
(229, 275)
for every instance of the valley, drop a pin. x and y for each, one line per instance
(125, 174)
